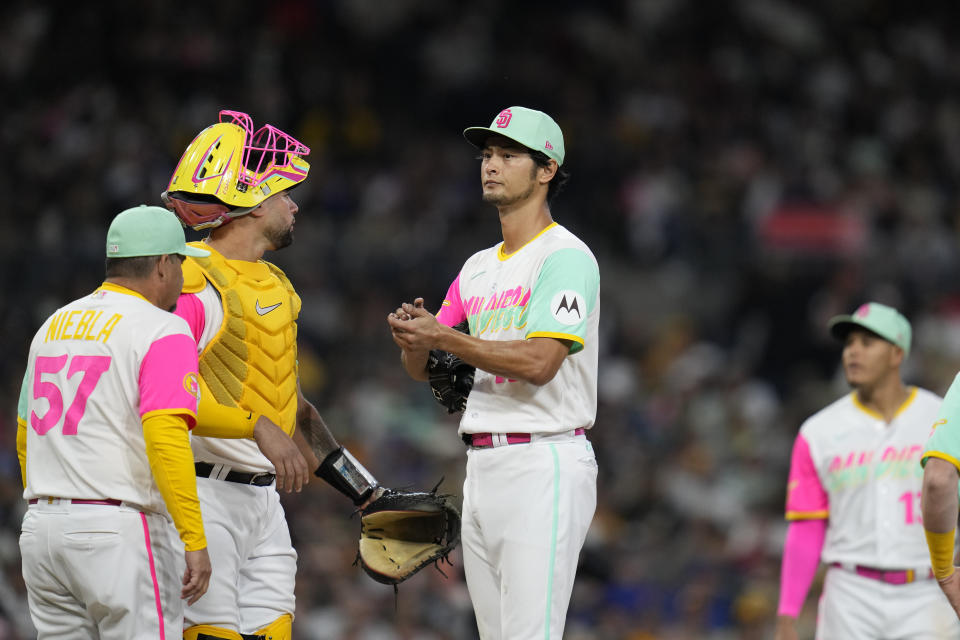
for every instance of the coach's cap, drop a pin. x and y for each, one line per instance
(531, 128)
(148, 231)
(886, 322)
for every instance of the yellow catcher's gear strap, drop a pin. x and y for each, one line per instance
(279, 629)
(941, 552)
(209, 632)
(171, 460)
(251, 362)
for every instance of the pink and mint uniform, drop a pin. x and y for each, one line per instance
(548, 288)
(97, 537)
(539, 463)
(853, 500)
(97, 367)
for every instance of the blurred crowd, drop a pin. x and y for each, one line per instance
(742, 170)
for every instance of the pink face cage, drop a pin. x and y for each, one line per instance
(266, 151)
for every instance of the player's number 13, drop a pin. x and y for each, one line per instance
(92, 367)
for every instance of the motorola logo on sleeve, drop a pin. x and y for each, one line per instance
(568, 307)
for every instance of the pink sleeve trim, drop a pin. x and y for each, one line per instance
(805, 492)
(168, 377)
(451, 311)
(190, 309)
(801, 557)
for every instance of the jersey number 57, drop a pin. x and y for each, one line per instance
(92, 368)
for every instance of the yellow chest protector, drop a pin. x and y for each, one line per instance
(251, 362)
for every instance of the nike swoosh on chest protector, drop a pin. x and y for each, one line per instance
(265, 310)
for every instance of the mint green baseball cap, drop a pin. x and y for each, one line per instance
(886, 322)
(531, 128)
(148, 231)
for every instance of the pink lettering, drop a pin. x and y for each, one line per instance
(513, 297)
(911, 515)
(47, 390)
(92, 367)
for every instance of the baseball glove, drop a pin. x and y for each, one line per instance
(402, 532)
(451, 379)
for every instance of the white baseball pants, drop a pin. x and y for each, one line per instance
(526, 511)
(253, 560)
(101, 571)
(853, 606)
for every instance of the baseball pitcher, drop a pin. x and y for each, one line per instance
(532, 305)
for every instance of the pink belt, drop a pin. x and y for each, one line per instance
(890, 576)
(51, 500)
(486, 439)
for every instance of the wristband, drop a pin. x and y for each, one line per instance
(941, 552)
(342, 471)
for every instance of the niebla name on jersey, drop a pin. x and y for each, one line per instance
(80, 324)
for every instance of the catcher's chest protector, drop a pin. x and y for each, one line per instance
(251, 361)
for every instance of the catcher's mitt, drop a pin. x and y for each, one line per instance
(451, 379)
(402, 532)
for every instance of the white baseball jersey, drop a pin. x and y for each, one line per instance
(96, 367)
(527, 507)
(848, 465)
(548, 288)
(98, 568)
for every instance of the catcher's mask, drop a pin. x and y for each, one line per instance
(229, 170)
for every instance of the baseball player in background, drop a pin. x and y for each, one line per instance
(941, 474)
(108, 397)
(533, 306)
(255, 430)
(853, 497)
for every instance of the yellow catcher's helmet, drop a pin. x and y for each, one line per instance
(229, 169)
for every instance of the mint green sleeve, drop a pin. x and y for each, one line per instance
(565, 293)
(944, 440)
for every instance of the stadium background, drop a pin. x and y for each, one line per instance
(743, 170)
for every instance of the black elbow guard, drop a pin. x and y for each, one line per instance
(342, 471)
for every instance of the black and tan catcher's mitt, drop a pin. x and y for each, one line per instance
(451, 379)
(402, 532)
